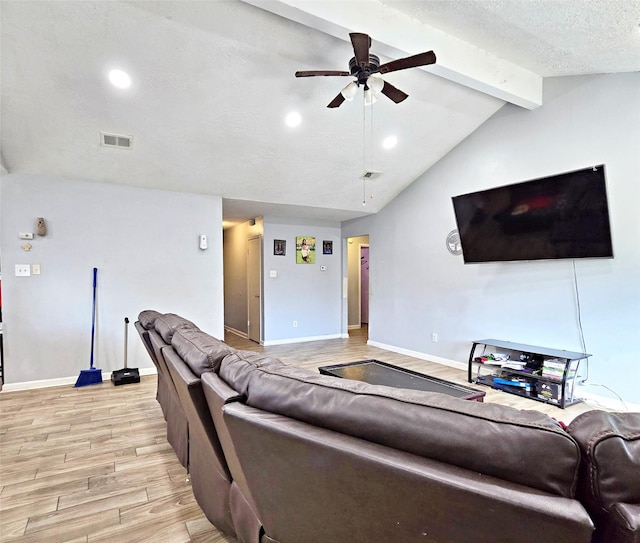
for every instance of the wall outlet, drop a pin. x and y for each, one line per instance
(23, 270)
(434, 337)
(295, 324)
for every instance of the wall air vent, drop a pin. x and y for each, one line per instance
(370, 175)
(116, 140)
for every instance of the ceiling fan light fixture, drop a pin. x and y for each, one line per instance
(375, 84)
(369, 97)
(349, 92)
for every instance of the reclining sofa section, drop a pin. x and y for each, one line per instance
(279, 454)
(609, 483)
(160, 332)
(192, 353)
(324, 459)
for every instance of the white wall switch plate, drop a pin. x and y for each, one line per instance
(35, 269)
(273, 273)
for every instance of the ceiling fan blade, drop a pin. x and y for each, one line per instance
(312, 73)
(421, 59)
(337, 101)
(394, 93)
(361, 44)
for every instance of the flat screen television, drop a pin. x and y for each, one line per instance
(561, 216)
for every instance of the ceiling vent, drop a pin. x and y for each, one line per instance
(370, 175)
(116, 140)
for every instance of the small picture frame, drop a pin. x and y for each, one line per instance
(280, 247)
(305, 250)
(327, 247)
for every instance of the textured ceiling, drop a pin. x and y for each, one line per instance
(213, 81)
(548, 37)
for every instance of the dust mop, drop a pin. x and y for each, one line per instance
(125, 375)
(92, 376)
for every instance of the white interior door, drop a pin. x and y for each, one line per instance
(254, 288)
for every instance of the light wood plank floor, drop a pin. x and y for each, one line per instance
(93, 464)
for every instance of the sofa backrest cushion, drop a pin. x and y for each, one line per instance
(168, 323)
(148, 317)
(200, 351)
(525, 447)
(237, 367)
(610, 444)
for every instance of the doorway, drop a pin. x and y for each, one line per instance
(254, 289)
(358, 286)
(364, 284)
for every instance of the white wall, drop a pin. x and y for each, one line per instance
(145, 246)
(420, 288)
(302, 292)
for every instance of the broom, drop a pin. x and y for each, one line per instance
(92, 376)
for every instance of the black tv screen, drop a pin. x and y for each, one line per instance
(562, 216)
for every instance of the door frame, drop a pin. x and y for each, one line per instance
(260, 290)
(360, 246)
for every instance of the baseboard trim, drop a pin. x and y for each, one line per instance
(61, 381)
(301, 339)
(421, 356)
(614, 404)
(238, 333)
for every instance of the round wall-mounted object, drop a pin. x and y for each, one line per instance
(453, 243)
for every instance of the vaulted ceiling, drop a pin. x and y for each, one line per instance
(212, 83)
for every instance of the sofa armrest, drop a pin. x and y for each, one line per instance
(624, 525)
(610, 467)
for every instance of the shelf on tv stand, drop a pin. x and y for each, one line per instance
(570, 359)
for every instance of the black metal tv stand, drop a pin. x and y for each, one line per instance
(549, 376)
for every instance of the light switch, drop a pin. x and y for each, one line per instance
(273, 273)
(23, 270)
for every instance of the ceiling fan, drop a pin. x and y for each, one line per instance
(364, 65)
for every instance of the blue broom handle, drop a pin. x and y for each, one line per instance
(93, 318)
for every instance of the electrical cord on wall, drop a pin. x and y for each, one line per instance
(583, 381)
(579, 316)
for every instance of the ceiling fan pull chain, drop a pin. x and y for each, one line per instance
(364, 151)
(364, 193)
(364, 136)
(371, 137)
(371, 148)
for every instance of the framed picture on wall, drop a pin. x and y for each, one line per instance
(327, 247)
(279, 247)
(305, 250)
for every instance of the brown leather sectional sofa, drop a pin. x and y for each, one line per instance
(279, 454)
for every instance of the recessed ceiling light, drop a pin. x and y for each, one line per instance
(293, 119)
(120, 79)
(390, 142)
